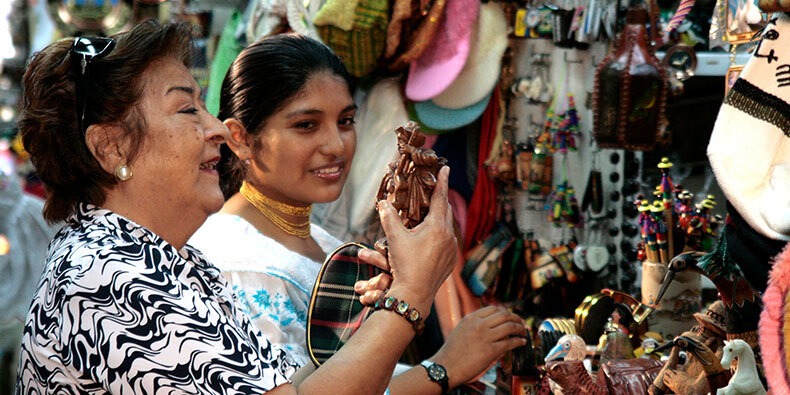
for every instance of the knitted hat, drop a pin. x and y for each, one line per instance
(481, 71)
(442, 61)
(749, 149)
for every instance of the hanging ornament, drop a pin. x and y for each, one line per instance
(556, 204)
(545, 137)
(563, 206)
(630, 90)
(540, 169)
(567, 128)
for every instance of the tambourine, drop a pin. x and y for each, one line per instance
(90, 17)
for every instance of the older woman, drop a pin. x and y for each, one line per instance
(128, 153)
(288, 103)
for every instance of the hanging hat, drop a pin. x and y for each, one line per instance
(749, 149)
(338, 13)
(411, 30)
(267, 17)
(481, 71)
(360, 47)
(439, 118)
(446, 55)
(413, 116)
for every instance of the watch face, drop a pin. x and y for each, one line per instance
(437, 372)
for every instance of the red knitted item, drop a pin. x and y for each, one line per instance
(774, 335)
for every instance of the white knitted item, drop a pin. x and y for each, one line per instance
(749, 149)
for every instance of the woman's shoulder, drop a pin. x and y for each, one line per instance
(231, 243)
(326, 241)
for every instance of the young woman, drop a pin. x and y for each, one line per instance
(287, 102)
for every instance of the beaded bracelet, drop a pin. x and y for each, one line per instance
(411, 314)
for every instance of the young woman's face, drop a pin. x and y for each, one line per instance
(304, 152)
(176, 166)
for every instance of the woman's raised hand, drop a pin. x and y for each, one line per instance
(421, 258)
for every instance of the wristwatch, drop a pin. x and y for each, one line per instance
(438, 374)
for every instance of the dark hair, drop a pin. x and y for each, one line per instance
(263, 79)
(48, 116)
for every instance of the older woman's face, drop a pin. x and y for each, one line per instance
(176, 166)
(307, 146)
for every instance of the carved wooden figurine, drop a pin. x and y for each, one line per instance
(411, 178)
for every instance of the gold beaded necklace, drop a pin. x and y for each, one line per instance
(273, 210)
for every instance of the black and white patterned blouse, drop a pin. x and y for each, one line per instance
(119, 310)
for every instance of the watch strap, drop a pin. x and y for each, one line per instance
(430, 367)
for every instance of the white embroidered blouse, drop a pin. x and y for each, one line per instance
(273, 284)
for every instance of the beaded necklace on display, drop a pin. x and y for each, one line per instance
(274, 210)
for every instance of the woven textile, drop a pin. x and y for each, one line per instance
(360, 47)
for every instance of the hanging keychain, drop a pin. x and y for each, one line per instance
(565, 119)
(593, 201)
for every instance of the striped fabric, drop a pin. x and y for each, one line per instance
(360, 47)
(335, 311)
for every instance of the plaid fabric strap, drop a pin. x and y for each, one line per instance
(335, 310)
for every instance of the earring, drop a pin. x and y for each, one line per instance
(247, 162)
(123, 172)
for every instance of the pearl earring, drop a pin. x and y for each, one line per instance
(247, 162)
(123, 172)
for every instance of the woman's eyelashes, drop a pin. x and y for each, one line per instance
(311, 125)
(347, 123)
(190, 110)
(306, 126)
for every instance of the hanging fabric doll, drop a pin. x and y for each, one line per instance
(567, 128)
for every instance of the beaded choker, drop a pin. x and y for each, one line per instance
(274, 210)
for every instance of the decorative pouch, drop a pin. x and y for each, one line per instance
(483, 262)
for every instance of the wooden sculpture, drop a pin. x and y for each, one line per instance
(411, 178)
(715, 375)
(691, 378)
(742, 303)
